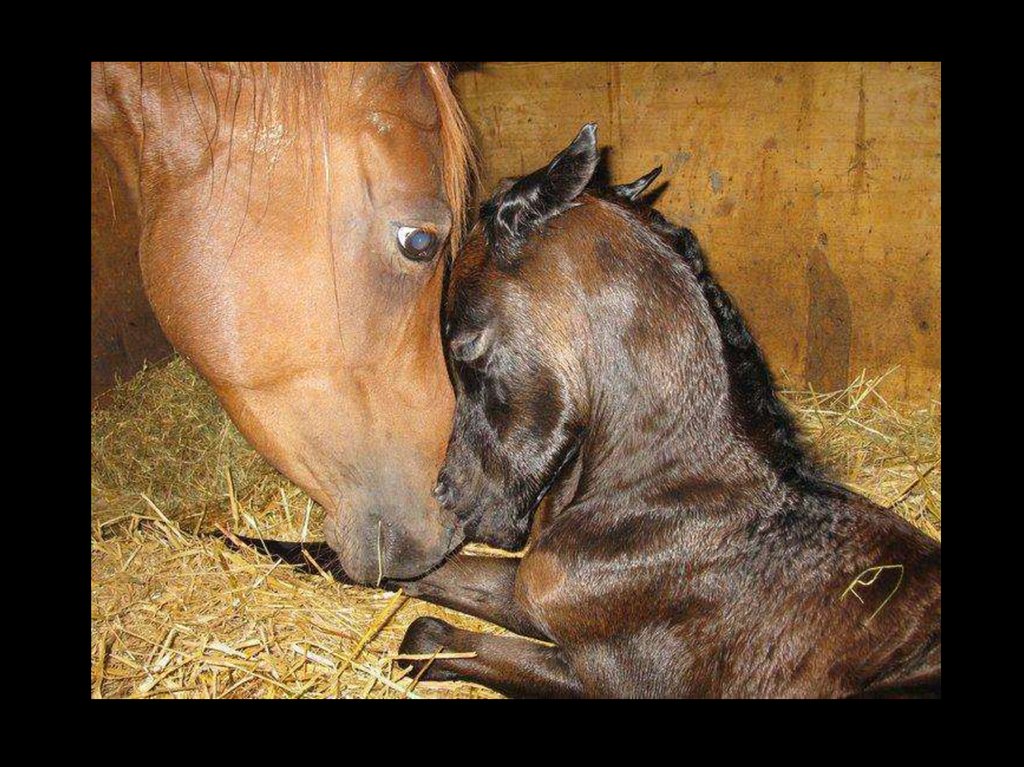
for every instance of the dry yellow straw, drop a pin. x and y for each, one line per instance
(875, 572)
(376, 625)
(238, 619)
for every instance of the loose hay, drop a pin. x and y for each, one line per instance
(176, 614)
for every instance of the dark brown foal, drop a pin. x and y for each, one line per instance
(690, 547)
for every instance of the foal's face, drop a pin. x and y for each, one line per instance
(514, 335)
(517, 419)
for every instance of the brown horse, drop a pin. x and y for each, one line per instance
(286, 223)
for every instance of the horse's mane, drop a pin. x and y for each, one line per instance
(762, 415)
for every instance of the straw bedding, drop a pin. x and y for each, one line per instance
(176, 613)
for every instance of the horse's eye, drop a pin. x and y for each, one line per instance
(416, 244)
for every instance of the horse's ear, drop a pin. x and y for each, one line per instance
(634, 189)
(545, 193)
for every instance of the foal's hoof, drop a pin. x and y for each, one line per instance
(426, 636)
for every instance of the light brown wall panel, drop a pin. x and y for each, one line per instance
(815, 189)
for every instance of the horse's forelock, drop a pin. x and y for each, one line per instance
(460, 172)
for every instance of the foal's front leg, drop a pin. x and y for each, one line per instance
(483, 587)
(513, 666)
(479, 586)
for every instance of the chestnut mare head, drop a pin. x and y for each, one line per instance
(293, 221)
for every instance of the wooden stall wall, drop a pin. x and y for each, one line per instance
(815, 189)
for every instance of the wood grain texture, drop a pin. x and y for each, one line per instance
(815, 189)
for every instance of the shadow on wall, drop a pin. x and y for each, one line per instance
(828, 323)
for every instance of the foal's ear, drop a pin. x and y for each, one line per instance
(568, 174)
(545, 193)
(634, 189)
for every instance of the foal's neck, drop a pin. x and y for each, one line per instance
(662, 413)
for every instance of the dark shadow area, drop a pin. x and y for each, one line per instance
(602, 173)
(326, 560)
(294, 553)
(650, 199)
